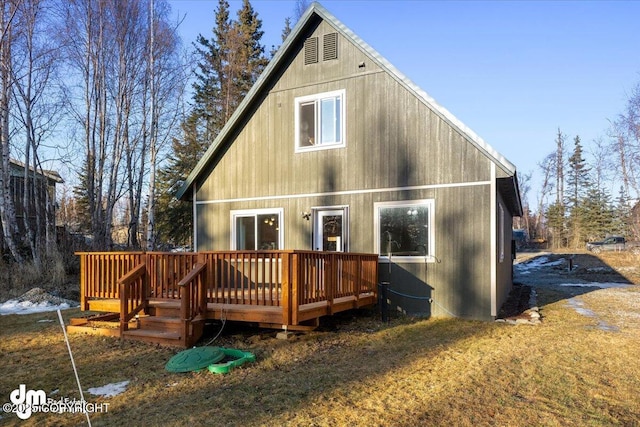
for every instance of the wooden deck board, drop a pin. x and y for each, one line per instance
(108, 332)
(254, 313)
(169, 338)
(245, 313)
(105, 304)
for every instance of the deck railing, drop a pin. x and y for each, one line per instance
(194, 299)
(246, 277)
(287, 279)
(133, 294)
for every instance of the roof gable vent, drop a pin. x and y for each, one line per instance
(330, 46)
(311, 50)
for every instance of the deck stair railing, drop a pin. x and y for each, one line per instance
(193, 304)
(134, 294)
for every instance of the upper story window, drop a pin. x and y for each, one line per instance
(319, 121)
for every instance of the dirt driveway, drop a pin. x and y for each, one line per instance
(604, 289)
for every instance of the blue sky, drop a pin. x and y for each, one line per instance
(513, 71)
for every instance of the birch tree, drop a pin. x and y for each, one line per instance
(151, 209)
(124, 101)
(7, 208)
(546, 167)
(85, 21)
(37, 110)
(625, 144)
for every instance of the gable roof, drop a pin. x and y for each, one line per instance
(317, 10)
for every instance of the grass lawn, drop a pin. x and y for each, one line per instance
(356, 370)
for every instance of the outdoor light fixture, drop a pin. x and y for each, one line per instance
(306, 215)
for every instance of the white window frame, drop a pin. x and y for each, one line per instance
(430, 204)
(235, 214)
(317, 99)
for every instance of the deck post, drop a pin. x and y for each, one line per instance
(124, 300)
(84, 303)
(330, 281)
(202, 285)
(184, 312)
(286, 288)
(357, 282)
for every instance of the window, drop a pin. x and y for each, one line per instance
(404, 229)
(319, 121)
(256, 229)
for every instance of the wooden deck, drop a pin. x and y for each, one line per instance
(166, 297)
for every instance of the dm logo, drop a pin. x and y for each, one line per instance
(25, 400)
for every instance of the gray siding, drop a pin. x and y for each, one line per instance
(393, 142)
(392, 138)
(504, 270)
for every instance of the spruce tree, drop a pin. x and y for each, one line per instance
(82, 197)
(229, 63)
(622, 218)
(174, 223)
(556, 224)
(578, 184)
(598, 214)
(578, 175)
(253, 59)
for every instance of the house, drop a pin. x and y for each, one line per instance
(635, 220)
(334, 149)
(42, 190)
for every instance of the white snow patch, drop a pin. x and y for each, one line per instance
(579, 307)
(603, 285)
(27, 307)
(537, 263)
(36, 300)
(109, 390)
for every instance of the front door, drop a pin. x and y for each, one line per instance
(330, 230)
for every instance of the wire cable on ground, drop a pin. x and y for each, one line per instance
(223, 318)
(430, 299)
(73, 363)
(409, 296)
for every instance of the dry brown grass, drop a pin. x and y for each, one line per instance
(625, 263)
(568, 371)
(16, 279)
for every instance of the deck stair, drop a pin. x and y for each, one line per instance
(161, 324)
